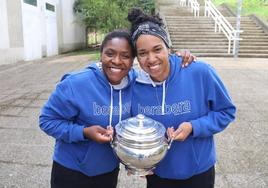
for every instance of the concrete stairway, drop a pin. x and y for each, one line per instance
(255, 40)
(197, 34)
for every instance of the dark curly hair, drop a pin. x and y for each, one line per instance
(136, 17)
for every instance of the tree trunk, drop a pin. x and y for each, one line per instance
(95, 35)
(87, 38)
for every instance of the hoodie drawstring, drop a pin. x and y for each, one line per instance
(163, 98)
(112, 106)
(120, 106)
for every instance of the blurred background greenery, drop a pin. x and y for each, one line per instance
(257, 7)
(102, 16)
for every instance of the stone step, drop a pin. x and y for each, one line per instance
(262, 47)
(209, 50)
(255, 40)
(197, 34)
(224, 45)
(206, 46)
(197, 43)
(201, 35)
(210, 32)
(234, 18)
(183, 18)
(248, 55)
(262, 51)
(264, 37)
(221, 48)
(244, 19)
(179, 39)
(253, 43)
(208, 25)
(190, 22)
(211, 54)
(193, 27)
(202, 19)
(219, 45)
(253, 55)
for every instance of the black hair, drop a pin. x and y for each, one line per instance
(136, 17)
(118, 34)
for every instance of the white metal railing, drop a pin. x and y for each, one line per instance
(221, 24)
(183, 3)
(195, 7)
(193, 4)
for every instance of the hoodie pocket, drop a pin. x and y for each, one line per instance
(181, 161)
(189, 163)
(98, 159)
(81, 157)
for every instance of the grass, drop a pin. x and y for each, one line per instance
(257, 7)
(93, 54)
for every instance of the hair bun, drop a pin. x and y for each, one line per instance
(135, 15)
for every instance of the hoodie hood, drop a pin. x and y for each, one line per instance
(83, 99)
(144, 78)
(125, 82)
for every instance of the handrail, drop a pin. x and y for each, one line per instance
(183, 3)
(195, 8)
(221, 24)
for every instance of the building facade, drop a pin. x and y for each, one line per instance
(32, 29)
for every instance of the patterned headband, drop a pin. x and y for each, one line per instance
(150, 28)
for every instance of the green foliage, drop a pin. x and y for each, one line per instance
(107, 15)
(258, 7)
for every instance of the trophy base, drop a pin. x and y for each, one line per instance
(139, 171)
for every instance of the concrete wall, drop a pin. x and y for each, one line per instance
(32, 31)
(72, 33)
(23, 30)
(4, 37)
(11, 37)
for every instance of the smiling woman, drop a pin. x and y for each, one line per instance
(156, 66)
(80, 109)
(116, 58)
(191, 103)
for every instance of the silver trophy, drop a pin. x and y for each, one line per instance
(140, 144)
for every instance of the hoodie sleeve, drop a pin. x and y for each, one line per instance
(57, 117)
(221, 109)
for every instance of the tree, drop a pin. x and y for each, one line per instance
(107, 15)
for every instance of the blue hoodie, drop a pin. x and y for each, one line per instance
(196, 95)
(84, 99)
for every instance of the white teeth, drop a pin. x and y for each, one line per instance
(115, 70)
(154, 67)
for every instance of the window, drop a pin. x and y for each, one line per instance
(50, 7)
(31, 2)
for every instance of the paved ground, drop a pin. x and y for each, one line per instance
(25, 151)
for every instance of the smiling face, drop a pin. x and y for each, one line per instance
(152, 55)
(116, 59)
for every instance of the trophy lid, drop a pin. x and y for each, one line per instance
(140, 129)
